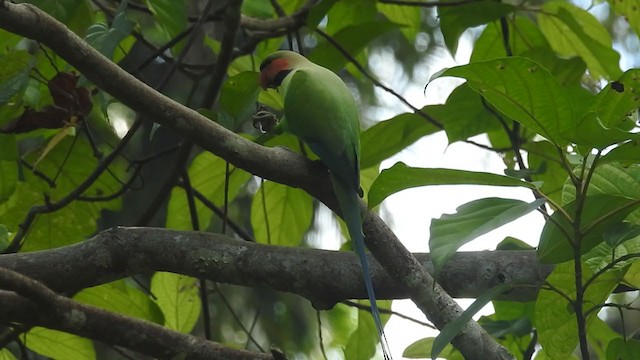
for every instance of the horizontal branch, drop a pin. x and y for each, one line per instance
(33, 303)
(122, 252)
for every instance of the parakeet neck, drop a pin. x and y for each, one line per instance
(277, 80)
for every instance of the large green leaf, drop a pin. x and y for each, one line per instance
(524, 91)
(73, 162)
(400, 177)
(464, 115)
(523, 36)
(121, 298)
(239, 94)
(478, 217)
(171, 16)
(14, 76)
(572, 31)
(207, 175)
(591, 132)
(347, 13)
(353, 38)
(106, 38)
(618, 100)
(77, 15)
(453, 328)
(568, 72)
(600, 212)
(621, 349)
(454, 20)
(389, 137)
(599, 336)
(608, 179)
(362, 342)
(555, 317)
(58, 345)
(8, 166)
(178, 298)
(280, 214)
(628, 152)
(5, 354)
(408, 16)
(546, 166)
(421, 349)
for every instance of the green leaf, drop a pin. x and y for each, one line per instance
(453, 328)
(4, 237)
(353, 38)
(389, 137)
(608, 179)
(71, 162)
(8, 166)
(568, 72)
(619, 233)
(572, 31)
(628, 9)
(239, 94)
(207, 175)
(604, 254)
(464, 115)
(422, 349)
(14, 76)
(524, 35)
(362, 342)
(599, 336)
(407, 16)
(592, 133)
(555, 317)
(626, 153)
(623, 349)
(280, 215)
(105, 39)
(478, 217)
(400, 177)
(522, 90)
(5, 354)
(178, 298)
(171, 16)
(121, 298)
(347, 13)
(543, 158)
(58, 345)
(616, 102)
(454, 20)
(318, 12)
(77, 15)
(600, 212)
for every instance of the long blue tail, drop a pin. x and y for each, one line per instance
(349, 204)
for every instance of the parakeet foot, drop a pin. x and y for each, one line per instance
(264, 121)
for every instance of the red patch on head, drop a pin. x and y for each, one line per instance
(271, 71)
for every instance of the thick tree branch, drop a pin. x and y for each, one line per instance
(30, 302)
(272, 163)
(122, 252)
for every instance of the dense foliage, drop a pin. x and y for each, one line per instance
(544, 86)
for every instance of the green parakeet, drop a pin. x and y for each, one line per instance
(321, 111)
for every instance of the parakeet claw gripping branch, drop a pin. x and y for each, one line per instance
(321, 111)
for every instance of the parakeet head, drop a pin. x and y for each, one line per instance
(277, 66)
